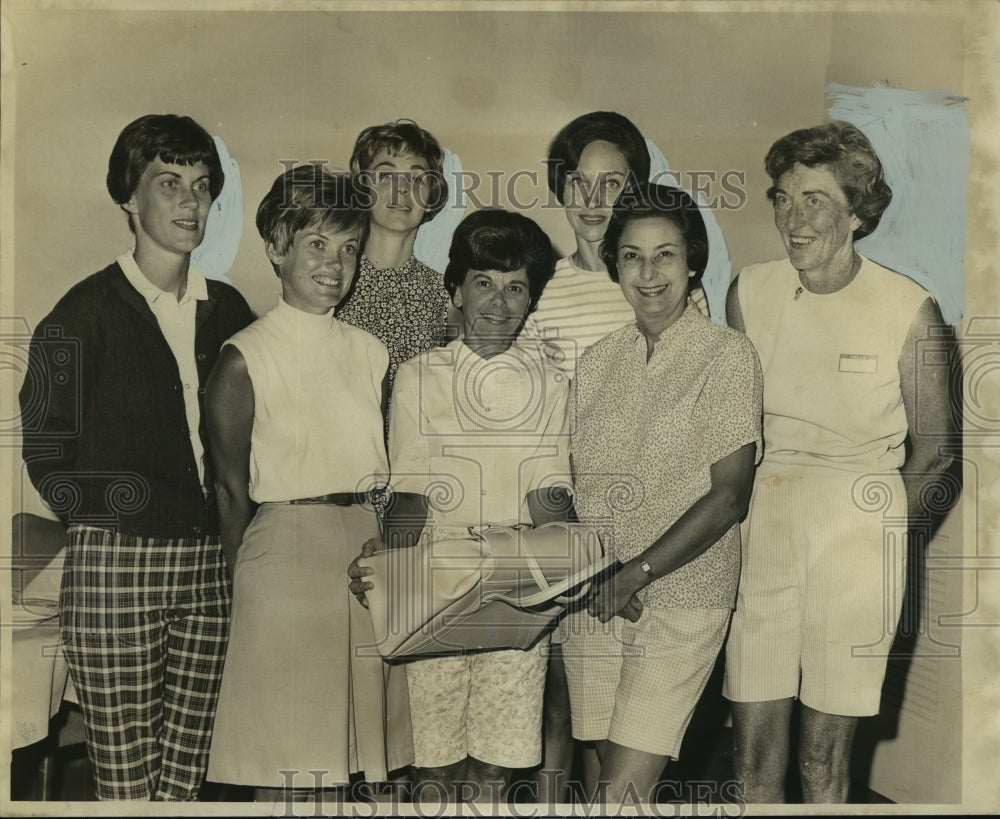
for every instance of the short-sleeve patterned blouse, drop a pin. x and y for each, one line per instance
(406, 308)
(647, 434)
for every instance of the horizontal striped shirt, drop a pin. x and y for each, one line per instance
(577, 308)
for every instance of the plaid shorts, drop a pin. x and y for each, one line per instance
(144, 624)
(637, 684)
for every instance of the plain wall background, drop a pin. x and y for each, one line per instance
(712, 88)
(713, 91)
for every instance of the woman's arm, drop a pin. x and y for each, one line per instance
(709, 518)
(404, 520)
(229, 407)
(734, 313)
(549, 505)
(926, 398)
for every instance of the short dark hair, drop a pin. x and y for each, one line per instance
(309, 196)
(497, 239)
(648, 201)
(404, 138)
(851, 159)
(176, 140)
(569, 143)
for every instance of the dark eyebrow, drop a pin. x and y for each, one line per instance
(804, 193)
(578, 172)
(657, 247)
(386, 163)
(176, 175)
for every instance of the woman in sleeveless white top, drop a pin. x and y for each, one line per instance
(849, 445)
(296, 406)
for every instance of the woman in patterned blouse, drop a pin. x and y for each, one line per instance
(397, 298)
(667, 432)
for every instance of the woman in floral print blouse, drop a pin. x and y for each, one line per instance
(396, 297)
(668, 414)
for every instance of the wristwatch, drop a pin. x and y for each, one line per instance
(647, 569)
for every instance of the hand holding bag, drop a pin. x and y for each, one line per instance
(496, 588)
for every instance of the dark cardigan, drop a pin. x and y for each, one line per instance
(105, 434)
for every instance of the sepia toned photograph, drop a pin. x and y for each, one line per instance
(499, 408)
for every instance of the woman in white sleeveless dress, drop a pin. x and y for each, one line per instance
(295, 408)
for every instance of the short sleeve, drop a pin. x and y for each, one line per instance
(409, 454)
(730, 405)
(551, 466)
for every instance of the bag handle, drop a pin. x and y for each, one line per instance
(531, 561)
(552, 592)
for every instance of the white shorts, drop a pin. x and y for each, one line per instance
(487, 705)
(821, 590)
(637, 684)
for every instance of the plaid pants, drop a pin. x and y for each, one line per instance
(144, 624)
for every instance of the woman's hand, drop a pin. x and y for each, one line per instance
(615, 595)
(356, 572)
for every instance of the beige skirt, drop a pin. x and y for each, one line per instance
(303, 688)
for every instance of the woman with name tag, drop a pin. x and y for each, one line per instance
(838, 337)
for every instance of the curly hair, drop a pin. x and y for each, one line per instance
(848, 154)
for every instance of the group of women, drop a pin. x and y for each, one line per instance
(593, 388)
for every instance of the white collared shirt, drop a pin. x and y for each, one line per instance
(176, 319)
(477, 435)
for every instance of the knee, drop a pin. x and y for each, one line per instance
(822, 764)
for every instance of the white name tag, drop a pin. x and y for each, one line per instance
(851, 363)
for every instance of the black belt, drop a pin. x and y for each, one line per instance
(337, 498)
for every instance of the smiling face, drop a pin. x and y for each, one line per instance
(169, 208)
(494, 305)
(401, 188)
(591, 190)
(317, 270)
(653, 271)
(814, 219)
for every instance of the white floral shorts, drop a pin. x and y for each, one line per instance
(486, 705)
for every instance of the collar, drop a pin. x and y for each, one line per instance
(302, 322)
(691, 313)
(521, 350)
(197, 286)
